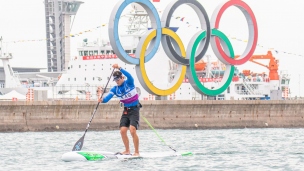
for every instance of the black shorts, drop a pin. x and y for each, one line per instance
(131, 118)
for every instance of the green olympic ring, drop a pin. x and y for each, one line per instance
(229, 68)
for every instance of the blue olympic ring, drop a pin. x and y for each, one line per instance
(114, 36)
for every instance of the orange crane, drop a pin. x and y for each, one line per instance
(272, 67)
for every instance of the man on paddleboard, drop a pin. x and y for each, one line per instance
(126, 92)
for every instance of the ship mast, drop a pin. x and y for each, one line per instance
(11, 80)
(139, 21)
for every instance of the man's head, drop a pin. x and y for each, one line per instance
(118, 78)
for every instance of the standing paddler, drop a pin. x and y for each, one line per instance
(125, 90)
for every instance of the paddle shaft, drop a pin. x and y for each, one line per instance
(79, 143)
(98, 103)
(145, 119)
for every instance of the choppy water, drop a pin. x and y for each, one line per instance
(237, 149)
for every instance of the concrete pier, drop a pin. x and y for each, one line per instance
(75, 115)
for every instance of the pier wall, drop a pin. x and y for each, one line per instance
(75, 115)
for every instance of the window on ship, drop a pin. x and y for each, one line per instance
(80, 53)
(112, 51)
(102, 52)
(91, 53)
(85, 53)
(128, 51)
(108, 52)
(95, 52)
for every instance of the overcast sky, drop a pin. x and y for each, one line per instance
(280, 22)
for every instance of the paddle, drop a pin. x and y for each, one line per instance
(78, 145)
(145, 119)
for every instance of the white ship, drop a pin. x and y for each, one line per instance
(88, 73)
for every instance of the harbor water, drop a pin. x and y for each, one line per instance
(222, 149)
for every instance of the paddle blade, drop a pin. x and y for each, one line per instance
(78, 145)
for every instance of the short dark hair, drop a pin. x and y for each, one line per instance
(116, 75)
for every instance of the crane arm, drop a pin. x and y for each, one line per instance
(267, 56)
(272, 66)
(259, 63)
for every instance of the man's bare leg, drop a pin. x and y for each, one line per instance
(125, 139)
(135, 140)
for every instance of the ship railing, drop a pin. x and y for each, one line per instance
(79, 92)
(246, 92)
(248, 86)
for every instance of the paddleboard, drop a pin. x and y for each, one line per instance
(101, 155)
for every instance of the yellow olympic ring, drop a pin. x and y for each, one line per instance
(146, 80)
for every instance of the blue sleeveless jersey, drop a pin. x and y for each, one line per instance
(126, 92)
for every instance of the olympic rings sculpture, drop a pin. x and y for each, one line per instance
(175, 49)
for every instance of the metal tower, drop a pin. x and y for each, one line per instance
(58, 22)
